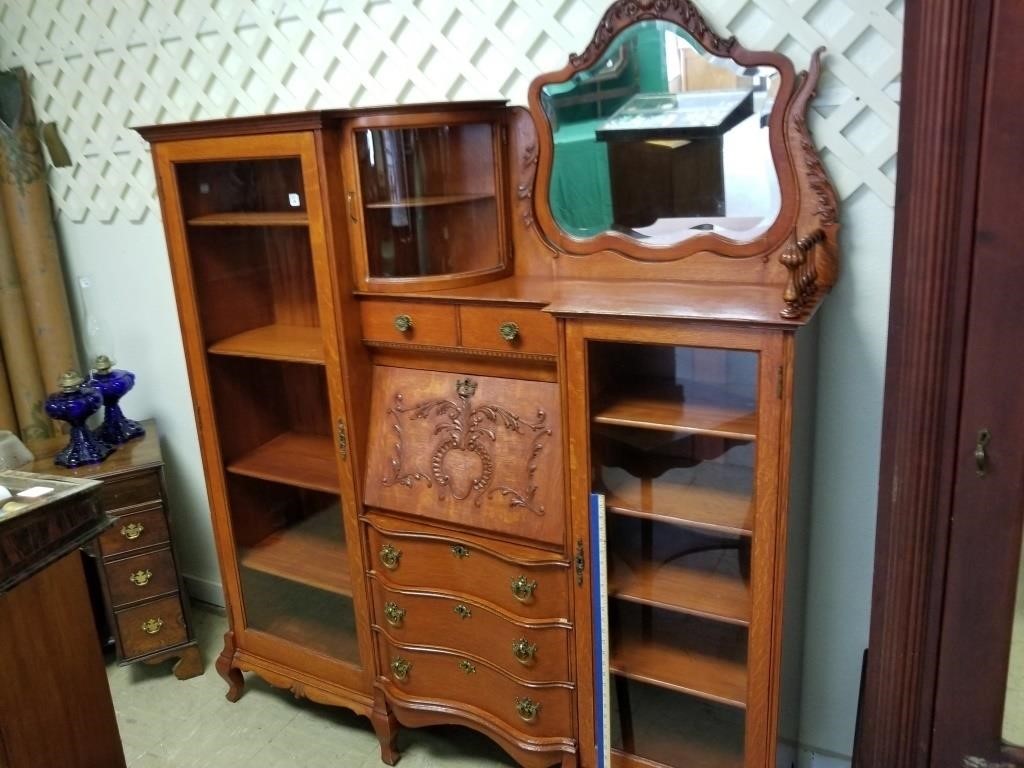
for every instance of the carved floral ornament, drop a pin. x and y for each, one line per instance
(462, 460)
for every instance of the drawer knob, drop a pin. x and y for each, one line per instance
(524, 651)
(522, 589)
(403, 323)
(132, 531)
(527, 709)
(152, 626)
(393, 614)
(509, 331)
(390, 557)
(463, 611)
(400, 668)
(141, 578)
(467, 667)
(460, 551)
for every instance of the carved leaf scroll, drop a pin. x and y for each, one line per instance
(462, 460)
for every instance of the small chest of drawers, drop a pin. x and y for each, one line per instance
(143, 593)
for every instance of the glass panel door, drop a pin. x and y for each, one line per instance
(255, 285)
(674, 434)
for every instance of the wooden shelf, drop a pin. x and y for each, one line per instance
(673, 730)
(306, 461)
(699, 585)
(423, 202)
(683, 654)
(252, 219)
(289, 343)
(679, 497)
(665, 411)
(312, 553)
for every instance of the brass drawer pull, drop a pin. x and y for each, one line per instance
(400, 668)
(403, 323)
(141, 578)
(460, 551)
(524, 651)
(390, 557)
(527, 709)
(509, 331)
(522, 589)
(152, 626)
(467, 666)
(393, 614)
(463, 611)
(132, 531)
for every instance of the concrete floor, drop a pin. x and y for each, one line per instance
(170, 723)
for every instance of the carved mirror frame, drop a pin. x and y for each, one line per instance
(805, 190)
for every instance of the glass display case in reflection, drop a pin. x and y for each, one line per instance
(661, 140)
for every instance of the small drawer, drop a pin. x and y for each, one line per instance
(533, 591)
(140, 577)
(150, 627)
(145, 528)
(508, 329)
(530, 652)
(460, 683)
(424, 323)
(143, 488)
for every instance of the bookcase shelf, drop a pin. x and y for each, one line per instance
(251, 219)
(305, 461)
(292, 343)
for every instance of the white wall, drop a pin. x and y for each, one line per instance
(103, 65)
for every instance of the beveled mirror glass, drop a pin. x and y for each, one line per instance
(660, 140)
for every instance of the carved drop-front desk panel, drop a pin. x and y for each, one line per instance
(474, 451)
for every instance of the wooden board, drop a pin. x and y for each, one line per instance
(292, 343)
(660, 411)
(292, 458)
(420, 202)
(252, 219)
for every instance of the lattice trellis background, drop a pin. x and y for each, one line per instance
(99, 66)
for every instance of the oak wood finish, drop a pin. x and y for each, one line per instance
(431, 324)
(477, 451)
(481, 327)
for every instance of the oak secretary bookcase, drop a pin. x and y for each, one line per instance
(495, 435)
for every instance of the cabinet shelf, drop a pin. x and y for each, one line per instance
(689, 656)
(311, 553)
(665, 411)
(724, 505)
(423, 202)
(709, 592)
(252, 219)
(292, 458)
(291, 343)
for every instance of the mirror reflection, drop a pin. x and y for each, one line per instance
(661, 140)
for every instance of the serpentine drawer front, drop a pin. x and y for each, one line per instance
(534, 652)
(535, 711)
(477, 451)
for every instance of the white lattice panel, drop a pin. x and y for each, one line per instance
(99, 66)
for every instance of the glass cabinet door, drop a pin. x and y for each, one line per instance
(673, 433)
(254, 277)
(430, 200)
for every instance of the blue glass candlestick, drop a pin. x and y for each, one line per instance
(75, 403)
(114, 384)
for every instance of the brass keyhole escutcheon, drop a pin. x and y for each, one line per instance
(460, 551)
(152, 626)
(467, 666)
(390, 557)
(393, 614)
(523, 588)
(141, 578)
(463, 611)
(527, 709)
(132, 531)
(509, 331)
(403, 323)
(524, 651)
(400, 668)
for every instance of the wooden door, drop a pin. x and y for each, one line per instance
(988, 490)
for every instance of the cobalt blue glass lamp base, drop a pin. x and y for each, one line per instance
(75, 403)
(114, 384)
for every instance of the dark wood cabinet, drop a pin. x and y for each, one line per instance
(139, 574)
